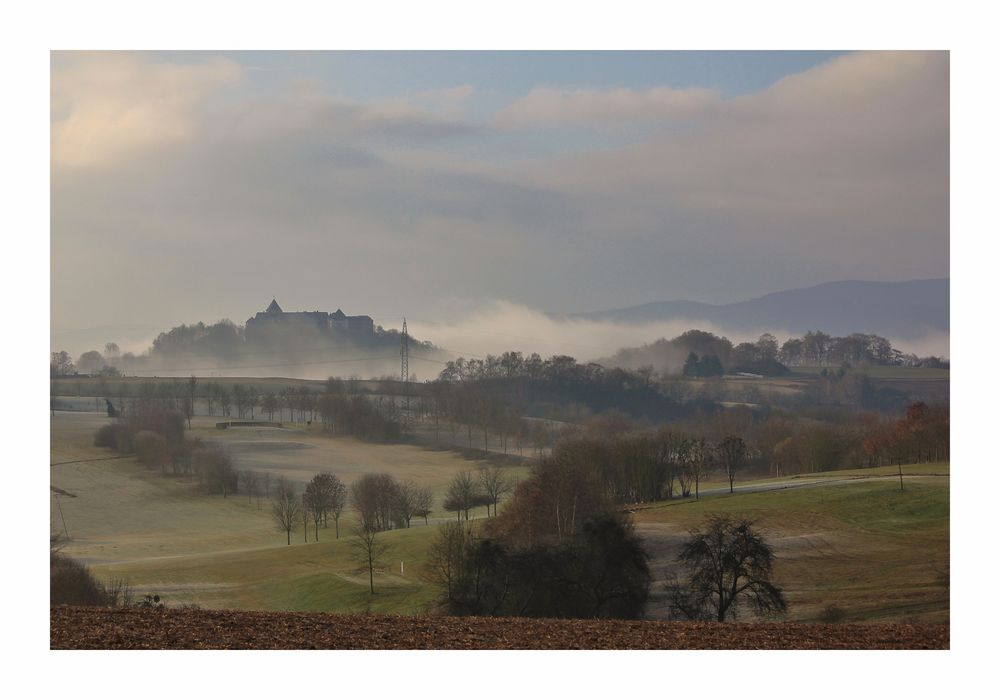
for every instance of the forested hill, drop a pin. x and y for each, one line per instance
(293, 350)
(905, 310)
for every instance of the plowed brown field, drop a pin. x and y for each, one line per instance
(132, 628)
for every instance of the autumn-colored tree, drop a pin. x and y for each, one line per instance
(552, 503)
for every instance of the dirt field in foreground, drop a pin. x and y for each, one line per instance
(104, 628)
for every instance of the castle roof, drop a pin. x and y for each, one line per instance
(274, 308)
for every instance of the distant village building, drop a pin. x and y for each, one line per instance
(273, 319)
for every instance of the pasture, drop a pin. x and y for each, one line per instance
(855, 542)
(166, 537)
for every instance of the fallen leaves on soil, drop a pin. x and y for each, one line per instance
(133, 628)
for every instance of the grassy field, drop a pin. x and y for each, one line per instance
(877, 553)
(165, 537)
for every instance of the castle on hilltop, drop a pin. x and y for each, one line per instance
(273, 319)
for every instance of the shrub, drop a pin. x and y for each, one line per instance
(150, 448)
(215, 470)
(601, 572)
(182, 455)
(115, 436)
(71, 583)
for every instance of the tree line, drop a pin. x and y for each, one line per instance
(765, 355)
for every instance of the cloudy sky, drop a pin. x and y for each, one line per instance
(196, 186)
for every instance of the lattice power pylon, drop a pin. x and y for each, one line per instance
(404, 370)
(404, 354)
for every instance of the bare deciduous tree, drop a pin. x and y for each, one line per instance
(495, 485)
(462, 494)
(338, 504)
(425, 503)
(374, 497)
(444, 563)
(286, 507)
(407, 501)
(321, 492)
(215, 469)
(369, 549)
(249, 479)
(732, 454)
(727, 563)
(699, 463)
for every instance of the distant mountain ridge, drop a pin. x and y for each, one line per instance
(905, 310)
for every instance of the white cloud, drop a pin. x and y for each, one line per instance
(850, 155)
(106, 106)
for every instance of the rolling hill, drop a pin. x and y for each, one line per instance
(905, 310)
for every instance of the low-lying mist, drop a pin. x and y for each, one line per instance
(491, 327)
(498, 326)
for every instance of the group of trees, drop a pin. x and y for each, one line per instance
(324, 496)
(562, 547)
(601, 571)
(227, 342)
(91, 362)
(706, 366)
(921, 435)
(818, 349)
(558, 549)
(500, 389)
(637, 463)
(484, 488)
(637, 467)
(345, 411)
(765, 356)
(343, 408)
(760, 357)
(383, 502)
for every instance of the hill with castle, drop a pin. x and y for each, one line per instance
(293, 343)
